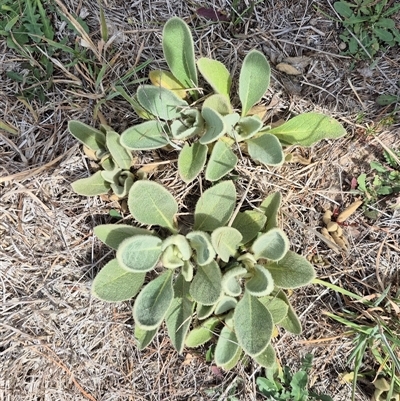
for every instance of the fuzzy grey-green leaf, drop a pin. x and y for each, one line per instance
(150, 203)
(216, 74)
(249, 224)
(203, 333)
(292, 271)
(253, 80)
(276, 306)
(153, 301)
(191, 161)
(148, 135)
(272, 245)
(90, 186)
(253, 325)
(120, 154)
(267, 358)
(221, 162)
(113, 234)
(291, 322)
(201, 243)
(230, 282)
(87, 135)
(114, 284)
(206, 285)
(215, 206)
(144, 337)
(261, 283)
(178, 50)
(139, 253)
(266, 149)
(227, 347)
(270, 207)
(225, 241)
(215, 125)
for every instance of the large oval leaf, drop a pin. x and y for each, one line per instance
(160, 102)
(307, 129)
(145, 136)
(272, 245)
(206, 285)
(179, 315)
(150, 203)
(168, 81)
(292, 271)
(191, 161)
(220, 104)
(266, 149)
(153, 302)
(121, 156)
(253, 80)
(225, 241)
(253, 325)
(178, 50)
(114, 284)
(222, 161)
(216, 74)
(215, 206)
(139, 253)
(90, 186)
(87, 135)
(113, 234)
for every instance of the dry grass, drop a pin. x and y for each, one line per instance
(56, 341)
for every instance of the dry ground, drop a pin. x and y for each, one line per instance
(56, 341)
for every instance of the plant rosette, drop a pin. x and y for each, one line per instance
(224, 279)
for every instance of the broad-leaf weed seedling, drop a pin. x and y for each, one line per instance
(207, 130)
(384, 181)
(374, 323)
(283, 385)
(367, 26)
(231, 269)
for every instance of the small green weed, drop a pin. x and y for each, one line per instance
(367, 26)
(375, 325)
(283, 385)
(384, 181)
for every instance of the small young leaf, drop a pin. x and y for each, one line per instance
(218, 103)
(191, 161)
(114, 284)
(266, 149)
(178, 50)
(160, 102)
(225, 304)
(113, 234)
(150, 203)
(292, 271)
(261, 283)
(206, 285)
(167, 80)
(122, 157)
(148, 135)
(216, 74)
(189, 124)
(153, 301)
(187, 270)
(139, 253)
(215, 125)
(144, 337)
(249, 224)
(227, 347)
(307, 129)
(181, 244)
(230, 284)
(276, 306)
(267, 358)
(203, 333)
(253, 325)
(179, 315)
(253, 80)
(222, 161)
(89, 136)
(201, 243)
(247, 127)
(272, 245)
(215, 206)
(270, 207)
(225, 241)
(90, 186)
